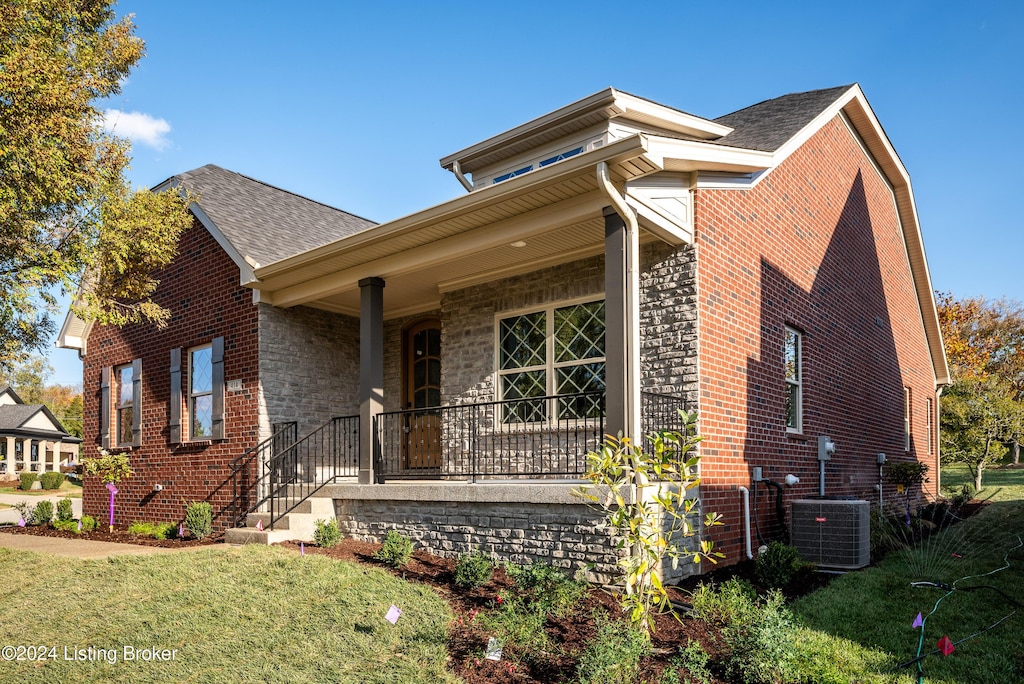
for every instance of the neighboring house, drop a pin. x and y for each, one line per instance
(612, 261)
(32, 440)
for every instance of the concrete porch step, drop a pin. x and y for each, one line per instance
(299, 524)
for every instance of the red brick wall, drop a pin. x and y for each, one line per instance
(815, 245)
(201, 290)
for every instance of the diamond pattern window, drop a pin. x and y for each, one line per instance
(557, 351)
(124, 378)
(200, 392)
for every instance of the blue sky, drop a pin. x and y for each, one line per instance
(352, 104)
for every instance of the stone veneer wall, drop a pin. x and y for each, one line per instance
(668, 320)
(309, 366)
(568, 535)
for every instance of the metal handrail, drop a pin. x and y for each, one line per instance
(242, 466)
(302, 469)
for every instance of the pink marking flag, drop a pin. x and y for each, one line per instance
(21, 522)
(918, 621)
(79, 525)
(302, 548)
(946, 646)
(259, 525)
(113, 490)
(393, 614)
(181, 530)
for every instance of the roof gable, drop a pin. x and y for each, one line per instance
(768, 125)
(262, 223)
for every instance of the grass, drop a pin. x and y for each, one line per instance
(861, 624)
(234, 614)
(67, 487)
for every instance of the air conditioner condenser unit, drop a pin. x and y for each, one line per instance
(833, 533)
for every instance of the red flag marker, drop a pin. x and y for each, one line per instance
(946, 646)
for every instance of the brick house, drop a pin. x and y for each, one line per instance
(445, 373)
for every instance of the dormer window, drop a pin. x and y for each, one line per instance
(559, 157)
(512, 174)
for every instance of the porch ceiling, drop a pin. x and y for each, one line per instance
(555, 211)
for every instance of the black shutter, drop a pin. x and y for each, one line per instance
(175, 431)
(137, 403)
(217, 348)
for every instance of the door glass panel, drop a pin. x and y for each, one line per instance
(433, 342)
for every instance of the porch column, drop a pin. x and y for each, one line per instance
(622, 326)
(26, 455)
(56, 456)
(371, 369)
(10, 456)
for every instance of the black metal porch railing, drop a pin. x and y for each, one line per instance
(296, 472)
(536, 437)
(542, 437)
(244, 478)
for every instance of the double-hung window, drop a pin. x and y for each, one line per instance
(792, 358)
(554, 352)
(906, 419)
(200, 392)
(124, 379)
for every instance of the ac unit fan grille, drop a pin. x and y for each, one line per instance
(832, 534)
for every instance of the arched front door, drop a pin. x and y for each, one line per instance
(423, 392)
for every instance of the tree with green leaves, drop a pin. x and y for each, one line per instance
(69, 220)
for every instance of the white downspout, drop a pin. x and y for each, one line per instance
(632, 300)
(457, 170)
(746, 521)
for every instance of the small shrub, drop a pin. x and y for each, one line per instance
(199, 519)
(64, 510)
(730, 603)
(547, 586)
(42, 514)
(473, 570)
(327, 533)
(518, 625)
(26, 509)
(88, 523)
(67, 526)
(52, 480)
(26, 481)
(395, 551)
(691, 666)
(761, 646)
(153, 529)
(613, 656)
(778, 565)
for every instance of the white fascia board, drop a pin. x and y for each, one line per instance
(702, 153)
(622, 150)
(599, 100)
(639, 109)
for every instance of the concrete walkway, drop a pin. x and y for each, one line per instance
(84, 548)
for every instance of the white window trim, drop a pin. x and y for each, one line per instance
(798, 383)
(550, 365)
(907, 426)
(929, 422)
(191, 397)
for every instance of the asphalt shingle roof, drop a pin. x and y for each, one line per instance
(767, 126)
(265, 223)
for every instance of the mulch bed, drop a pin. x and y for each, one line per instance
(120, 535)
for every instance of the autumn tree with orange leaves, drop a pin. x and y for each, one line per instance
(982, 411)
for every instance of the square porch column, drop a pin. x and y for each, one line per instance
(10, 456)
(371, 370)
(56, 456)
(622, 325)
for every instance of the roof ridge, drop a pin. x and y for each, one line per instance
(280, 189)
(843, 88)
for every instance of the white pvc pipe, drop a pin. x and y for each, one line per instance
(746, 520)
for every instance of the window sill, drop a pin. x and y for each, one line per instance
(122, 449)
(797, 436)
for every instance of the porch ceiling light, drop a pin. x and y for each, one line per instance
(517, 243)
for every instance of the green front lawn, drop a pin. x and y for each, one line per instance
(67, 488)
(861, 624)
(256, 614)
